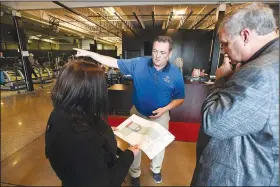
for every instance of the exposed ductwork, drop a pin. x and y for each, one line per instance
(203, 18)
(83, 16)
(124, 22)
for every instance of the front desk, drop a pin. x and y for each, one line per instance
(190, 110)
(120, 101)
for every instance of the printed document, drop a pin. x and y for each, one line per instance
(149, 135)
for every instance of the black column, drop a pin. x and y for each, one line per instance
(22, 41)
(1, 39)
(215, 52)
(93, 47)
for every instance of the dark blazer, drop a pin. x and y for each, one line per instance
(84, 155)
(238, 144)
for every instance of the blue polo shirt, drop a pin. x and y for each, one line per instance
(152, 89)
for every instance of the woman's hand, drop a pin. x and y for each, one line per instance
(114, 128)
(135, 149)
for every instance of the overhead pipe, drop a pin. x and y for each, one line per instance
(61, 27)
(75, 32)
(80, 23)
(168, 21)
(203, 17)
(153, 18)
(156, 15)
(210, 25)
(99, 15)
(186, 18)
(125, 24)
(139, 22)
(72, 23)
(83, 16)
(108, 21)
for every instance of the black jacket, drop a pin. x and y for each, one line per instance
(84, 155)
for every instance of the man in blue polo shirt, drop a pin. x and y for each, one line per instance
(158, 88)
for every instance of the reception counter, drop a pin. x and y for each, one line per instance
(120, 101)
(190, 110)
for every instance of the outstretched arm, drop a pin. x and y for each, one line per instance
(105, 60)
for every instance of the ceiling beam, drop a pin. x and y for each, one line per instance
(67, 30)
(124, 22)
(153, 18)
(100, 15)
(65, 7)
(23, 5)
(105, 41)
(109, 22)
(149, 15)
(83, 16)
(185, 18)
(198, 14)
(203, 18)
(139, 22)
(45, 20)
(210, 25)
(89, 28)
(168, 21)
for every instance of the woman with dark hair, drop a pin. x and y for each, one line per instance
(80, 145)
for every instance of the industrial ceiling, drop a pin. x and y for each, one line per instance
(106, 20)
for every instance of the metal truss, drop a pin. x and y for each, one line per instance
(198, 17)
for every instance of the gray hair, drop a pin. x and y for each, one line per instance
(255, 16)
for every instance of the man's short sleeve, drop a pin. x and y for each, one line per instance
(179, 88)
(127, 66)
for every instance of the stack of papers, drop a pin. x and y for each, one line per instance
(151, 137)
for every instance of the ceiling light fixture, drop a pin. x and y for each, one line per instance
(34, 38)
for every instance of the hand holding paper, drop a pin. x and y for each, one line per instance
(150, 136)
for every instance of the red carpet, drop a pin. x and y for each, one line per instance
(186, 132)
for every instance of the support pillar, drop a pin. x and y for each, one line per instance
(215, 48)
(22, 41)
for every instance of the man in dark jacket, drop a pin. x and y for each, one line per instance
(238, 143)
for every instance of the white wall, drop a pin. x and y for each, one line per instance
(85, 44)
